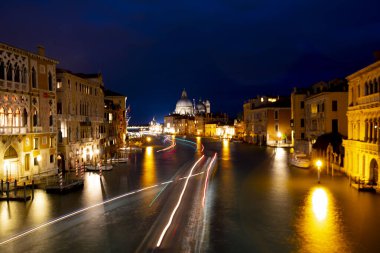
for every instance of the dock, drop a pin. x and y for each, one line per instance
(65, 187)
(16, 191)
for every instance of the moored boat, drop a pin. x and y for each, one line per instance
(300, 160)
(97, 168)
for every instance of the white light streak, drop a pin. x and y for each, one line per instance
(72, 214)
(206, 181)
(178, 203)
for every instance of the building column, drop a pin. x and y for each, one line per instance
(372, 124)
(375, 131)
(365, 132)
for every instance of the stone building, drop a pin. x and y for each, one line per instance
(318, 110)
(80, 112)
(115, 110)
(362, 145)
(267, 120)
(28, 147)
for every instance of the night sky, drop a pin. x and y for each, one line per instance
(226, 51)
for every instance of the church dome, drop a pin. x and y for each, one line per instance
(201, 108)
(184, 105)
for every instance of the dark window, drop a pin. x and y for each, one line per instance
(302, 136)
(323, 107)
(60, 139)
(302, 122)
(302, 104)
(50, 81)
(34, 78)
(35, 119)
(35, 161)
(9, 72)
(276, 128)
(334, 105)
(51, 158)
(2, 70)
(59, 108)
(334, 125)
(275, 114)
(17, 73)
(51, 119)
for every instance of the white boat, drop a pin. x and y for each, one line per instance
(300, 160)
(118, 160)
(97, 168)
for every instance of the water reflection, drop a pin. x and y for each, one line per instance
(148, 176)
(226, 150)
(199, 144)
(320, 224)
(93, 189)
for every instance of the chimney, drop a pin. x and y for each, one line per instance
(377, 55)
(41, 50)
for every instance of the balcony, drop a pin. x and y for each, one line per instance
(373, 98)
(37, 129)
(13, 130)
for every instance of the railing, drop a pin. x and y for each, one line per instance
(368, 99)
(37, 129)
(13, 130)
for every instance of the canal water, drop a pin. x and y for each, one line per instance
(256, 202)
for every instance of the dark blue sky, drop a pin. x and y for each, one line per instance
(224, 51)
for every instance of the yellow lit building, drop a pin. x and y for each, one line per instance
(27, 114)
(362, 145)
(115, 105)
(267, 120)
(210, 129)
(318, 110)
(80, 112)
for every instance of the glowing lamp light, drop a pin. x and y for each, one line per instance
(148, 139)
(39, 158)
(279, 134)
(318, 163)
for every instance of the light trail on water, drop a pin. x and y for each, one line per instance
(206, 181)
(27, 232)
(178, 204)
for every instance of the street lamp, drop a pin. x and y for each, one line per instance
(96, 154)
(279, 135)
(319, 164)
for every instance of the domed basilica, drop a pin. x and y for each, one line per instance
(184, 106)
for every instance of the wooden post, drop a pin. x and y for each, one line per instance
(32, 189)
(24, 192)
(7, 190)
(2, 186)
(15, 187)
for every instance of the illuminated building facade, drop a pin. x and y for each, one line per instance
(80, 112)
(318, 110)
(188, 117)
(115, 114)
(362, 145)
(267, 120)
(27, 114)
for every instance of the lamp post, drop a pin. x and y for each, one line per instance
(319, 164)
(279, 135)
(96, 154)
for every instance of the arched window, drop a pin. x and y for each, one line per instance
(17, 73)
(366, 89)
(34, 78)
(50, 119)
(376, 86)
(25, 118)
(10, 153)
(24, 75)
(35, 118)
(9, 117)
(9, 71)
(2, 117)
(50, 82)
(17, 118)
(370, 87)
(2, 70)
